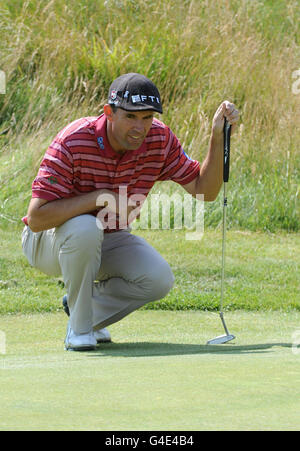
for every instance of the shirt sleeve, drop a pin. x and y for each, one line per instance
(178, 167)
(55, 176)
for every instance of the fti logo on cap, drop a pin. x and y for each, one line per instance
(141, 98)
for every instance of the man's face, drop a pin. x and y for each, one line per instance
(127, 130)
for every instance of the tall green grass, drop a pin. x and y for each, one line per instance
(60, 58)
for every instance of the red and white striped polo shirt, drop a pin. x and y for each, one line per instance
(80, 160)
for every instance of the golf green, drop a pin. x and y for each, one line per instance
(158, 374)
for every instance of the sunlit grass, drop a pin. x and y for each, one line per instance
(262, 273)
(60, 58)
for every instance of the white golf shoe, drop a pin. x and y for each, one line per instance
(79, 342)
(102, 336)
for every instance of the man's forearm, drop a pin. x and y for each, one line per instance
(55, 213)
(211, 171)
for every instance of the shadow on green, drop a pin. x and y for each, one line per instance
(147, 349)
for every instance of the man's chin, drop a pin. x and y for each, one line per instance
(134, 146)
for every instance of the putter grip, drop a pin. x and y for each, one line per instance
(227, 131)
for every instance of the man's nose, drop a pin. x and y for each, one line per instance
(139, 126)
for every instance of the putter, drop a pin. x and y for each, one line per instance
(227, 337)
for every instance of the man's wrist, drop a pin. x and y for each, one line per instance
(216, 140)
(217, 135)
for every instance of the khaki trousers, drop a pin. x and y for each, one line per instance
(107, 275)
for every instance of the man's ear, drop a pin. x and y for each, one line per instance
(108, 112)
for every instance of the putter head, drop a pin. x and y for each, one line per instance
(221, 339)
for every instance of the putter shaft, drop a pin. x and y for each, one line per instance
(224, 338)
(223, 259)
(223, 247)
